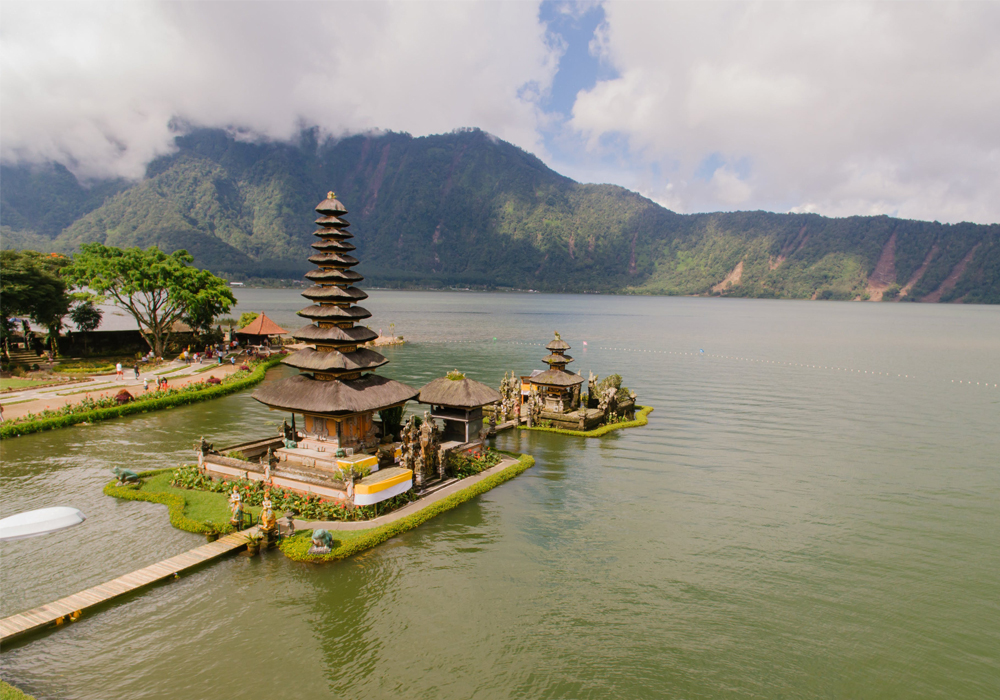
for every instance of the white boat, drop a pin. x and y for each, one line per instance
(39, 522)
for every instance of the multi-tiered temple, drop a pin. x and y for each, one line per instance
(338, 391)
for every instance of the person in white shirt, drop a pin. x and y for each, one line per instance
(118, 372)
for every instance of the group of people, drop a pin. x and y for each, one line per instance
(120, 372)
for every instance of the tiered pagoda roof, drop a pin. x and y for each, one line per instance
(340, 382)
(557, 374)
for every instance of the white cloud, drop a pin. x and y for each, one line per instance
(843, 108)
(96, 85)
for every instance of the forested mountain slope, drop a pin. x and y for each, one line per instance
(468, 209)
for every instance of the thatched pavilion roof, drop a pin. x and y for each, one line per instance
(331, 206)
(332, 258)
(557, 344)
(321, 361)
(557, 377)
(358, 334)
(318, 293)
(342, 396)
(335, 313)
(555, 359)
(333, 275)
(332, 244)
(332, 221)
(458, 393)
(262, 325)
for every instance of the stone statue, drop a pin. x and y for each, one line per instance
(426, 438)
(268, 521)
(592, 397)
(493, 424)
(286, 431)
(321, 539)
(125, 476)
(371, 439)
(204, 446)
(265, 465)
(236, 508)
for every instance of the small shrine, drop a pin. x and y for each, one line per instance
(553, 395)
(260, 331)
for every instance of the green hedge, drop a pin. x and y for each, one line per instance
(9, 692)
(142, 405)
(296, 547)
(174, 502)
(640, 420)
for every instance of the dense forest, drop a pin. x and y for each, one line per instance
(466, 209)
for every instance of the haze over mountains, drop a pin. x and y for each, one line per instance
(467, 209)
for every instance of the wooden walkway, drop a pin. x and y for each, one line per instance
(71, 607)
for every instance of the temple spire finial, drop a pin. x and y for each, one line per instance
(331, 195)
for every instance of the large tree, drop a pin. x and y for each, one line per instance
(31, 285)
(157, 289)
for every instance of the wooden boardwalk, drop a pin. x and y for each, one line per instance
(67, 609)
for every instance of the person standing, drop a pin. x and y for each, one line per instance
(136, 368)
(145, 384)
(118, 372)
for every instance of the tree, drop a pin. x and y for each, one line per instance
(87, 318)
(31, 285)
(155, 288)
(246, 318)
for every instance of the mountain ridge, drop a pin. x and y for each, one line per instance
(468, 209)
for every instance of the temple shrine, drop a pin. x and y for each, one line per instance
(330, 447)
(554, 394)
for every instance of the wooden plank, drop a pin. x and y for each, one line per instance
(45, 615)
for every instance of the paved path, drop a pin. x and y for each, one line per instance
(62, 610)
(407, 509)
(177, 374)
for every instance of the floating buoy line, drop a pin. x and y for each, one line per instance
(702, 353)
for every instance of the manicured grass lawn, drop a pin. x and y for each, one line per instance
(18, 383)
(199, 505)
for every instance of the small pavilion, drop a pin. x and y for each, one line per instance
(458, 402)
(260, 331)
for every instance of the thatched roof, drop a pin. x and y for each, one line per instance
(335, 313)
(315, 334)
(458, 393)
(332, 244)
(331, 221)
(556, 377)
(336, 396)
(555, 359)
(339, 234)
(262, 325)
(332, 275)
(333, 258)
(320, 361)
(557, 344)
(333, 293)
(331, 206)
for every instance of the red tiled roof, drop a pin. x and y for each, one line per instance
(262, 325)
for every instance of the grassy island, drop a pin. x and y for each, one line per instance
(91, 411)
(640, 420)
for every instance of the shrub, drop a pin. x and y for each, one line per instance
(465, 464)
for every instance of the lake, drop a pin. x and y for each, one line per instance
(812, 512)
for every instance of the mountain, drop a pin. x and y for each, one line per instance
(466, 208)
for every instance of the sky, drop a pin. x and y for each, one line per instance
(839, 108)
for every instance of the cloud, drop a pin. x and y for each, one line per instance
(97, 85)
(842, 108)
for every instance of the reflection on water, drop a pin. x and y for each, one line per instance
(779, 529)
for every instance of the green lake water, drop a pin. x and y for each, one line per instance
(812, 512)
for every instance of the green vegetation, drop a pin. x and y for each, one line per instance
(155, 288)
(100, 409)
(193, 511)
(466, 209)
(309, 507)
(32, 285)
(464, 464)
(351, 542)
(9, 692)
(640, 420)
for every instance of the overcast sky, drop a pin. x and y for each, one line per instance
(839, 108)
